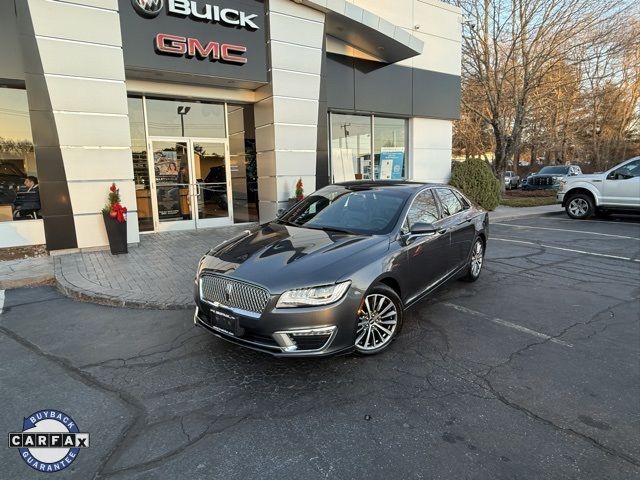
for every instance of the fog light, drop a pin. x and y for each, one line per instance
(304, 340)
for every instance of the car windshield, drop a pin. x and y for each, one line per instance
(350, 209)
(554, 171)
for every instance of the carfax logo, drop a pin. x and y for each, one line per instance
(50, 440)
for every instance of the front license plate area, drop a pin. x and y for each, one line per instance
(224, 320)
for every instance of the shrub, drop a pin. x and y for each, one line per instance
(475, 178)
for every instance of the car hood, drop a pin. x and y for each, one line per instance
(558, 175)
(281, 257)
(585, 177)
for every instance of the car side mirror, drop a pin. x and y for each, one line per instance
(612, 176)
(280, 212)
(423, 229)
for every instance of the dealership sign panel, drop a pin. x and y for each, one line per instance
(224, 39)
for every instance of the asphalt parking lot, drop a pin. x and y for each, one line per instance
(531, 372)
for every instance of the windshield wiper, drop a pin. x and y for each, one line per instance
(332, 229)
(287, 222)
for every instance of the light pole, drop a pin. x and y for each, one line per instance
(182, 111)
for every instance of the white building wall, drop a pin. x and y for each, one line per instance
(437, 24)
(88, 98)
(286, 112)
(22, 233)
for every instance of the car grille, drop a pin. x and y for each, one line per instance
(233, 293)
(541, 181)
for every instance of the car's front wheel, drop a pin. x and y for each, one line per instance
(580, 206)
(475, 262)
(379, 320)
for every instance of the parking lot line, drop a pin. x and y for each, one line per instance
(1, 301)
(616, 257)
(571, 231)
(601, 222)
(505, 323)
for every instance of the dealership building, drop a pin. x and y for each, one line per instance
(207, 113)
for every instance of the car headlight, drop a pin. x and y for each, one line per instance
(314, 296)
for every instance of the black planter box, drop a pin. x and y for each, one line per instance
(117, 233)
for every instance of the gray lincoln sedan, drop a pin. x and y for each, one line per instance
(335, 273)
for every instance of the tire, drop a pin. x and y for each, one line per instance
(476, 261)
(375, 331)
(580, 206)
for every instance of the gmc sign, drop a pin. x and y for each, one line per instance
(191, 47)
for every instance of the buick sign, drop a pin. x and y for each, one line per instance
(148, 8)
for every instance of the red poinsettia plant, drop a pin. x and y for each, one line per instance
(113, 207)
(299, 190)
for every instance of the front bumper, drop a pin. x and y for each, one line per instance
(560, 198)
(528, 186)
(287, 332)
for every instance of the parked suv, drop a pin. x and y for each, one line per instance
(511, 180)
(549, 177)
(617, 189)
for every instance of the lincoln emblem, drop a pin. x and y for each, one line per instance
(227, 292)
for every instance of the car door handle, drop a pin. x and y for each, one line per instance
(442, 231)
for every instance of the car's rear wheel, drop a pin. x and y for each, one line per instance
(475, 262)
(580, 206)
(379, 320)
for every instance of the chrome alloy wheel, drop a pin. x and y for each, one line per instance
(477, 257)
(578, 207)
(377, 322)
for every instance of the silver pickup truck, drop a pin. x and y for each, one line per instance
(616, 190)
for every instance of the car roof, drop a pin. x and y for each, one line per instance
(400, 184)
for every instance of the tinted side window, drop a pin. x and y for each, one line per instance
(450, 203)
(463, 200)
(630, 170)
(423, 210)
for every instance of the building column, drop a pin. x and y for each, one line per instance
(286, 113)
(74, 74)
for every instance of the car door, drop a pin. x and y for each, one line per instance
(425, 257)
(458, 222)
(622, 186)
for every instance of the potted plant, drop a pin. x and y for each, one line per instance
(115, 221)
(299, 194)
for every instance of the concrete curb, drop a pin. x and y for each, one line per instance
(82, 295)
(27, 282)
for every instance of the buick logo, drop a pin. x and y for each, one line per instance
(228, 289)
(148, 8)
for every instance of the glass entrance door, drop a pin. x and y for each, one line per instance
(189, 183)
(212, 183)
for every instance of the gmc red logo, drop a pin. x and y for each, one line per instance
(191, 47)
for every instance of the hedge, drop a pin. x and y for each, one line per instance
(475, 178)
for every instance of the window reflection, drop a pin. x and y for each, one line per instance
(244, 168)
(351, 147)
(140, 164)
(19, 186)
(351, 142)
(168, 118)
(389, 152)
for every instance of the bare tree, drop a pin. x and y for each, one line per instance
(511, 46)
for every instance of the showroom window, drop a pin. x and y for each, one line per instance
(172, 118)
(366, 147)
(19, 189)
